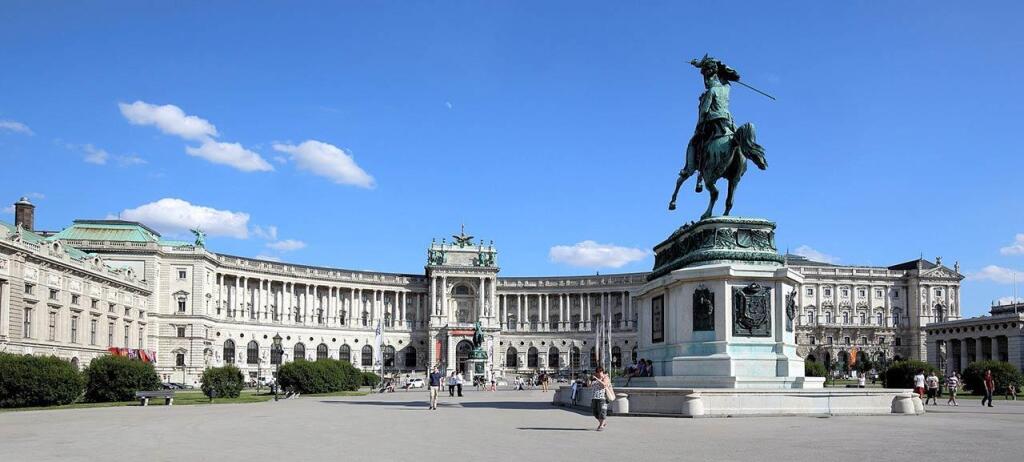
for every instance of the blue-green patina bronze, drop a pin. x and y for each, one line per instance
(718, 149)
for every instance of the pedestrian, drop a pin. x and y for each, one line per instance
(919, 383)
(1011, 391)
(451, 384)
(990, 388)
(861, 381)
(544, 381)
(458, 384)
(598, 403)
(952, 383)
(435, 379)
(575, 388)
(494, 384)
(932, 382)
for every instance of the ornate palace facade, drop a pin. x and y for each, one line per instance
(197, 308)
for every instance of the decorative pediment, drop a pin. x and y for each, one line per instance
(941, 273)
(180, 293)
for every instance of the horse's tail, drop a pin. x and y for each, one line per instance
(746, 140)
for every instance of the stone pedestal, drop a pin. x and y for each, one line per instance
(718, 310)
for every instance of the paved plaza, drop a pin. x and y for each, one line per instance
(500, 426)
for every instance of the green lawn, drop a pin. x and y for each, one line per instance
(188, 397)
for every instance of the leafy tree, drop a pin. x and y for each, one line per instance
(1003, 373)
(814, 369)
(222, 382)
(117, 378)
(321, 376)
(38, 381)
(901, 373)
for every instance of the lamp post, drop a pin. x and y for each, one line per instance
(276, 348)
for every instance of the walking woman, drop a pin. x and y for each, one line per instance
(599, 404)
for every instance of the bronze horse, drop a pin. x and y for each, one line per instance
(723, 157)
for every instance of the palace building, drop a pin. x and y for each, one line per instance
(193, 308)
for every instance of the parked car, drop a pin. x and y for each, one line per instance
(415, 383)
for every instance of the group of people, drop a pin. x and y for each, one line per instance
(927, 388)
(643, 368)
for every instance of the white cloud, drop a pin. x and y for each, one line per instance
(266, 232)
(129, 160)
(287, 245)
(814, 255)
(94, 155)
(1017, 248)
(448, 104)
(996, 274)
(267, 258)
(9, 209)
(176, 216)
(232, 154)
(328, 161)
(590, 254)
(16, 127)
(169, 118)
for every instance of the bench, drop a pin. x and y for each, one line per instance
(144, 396)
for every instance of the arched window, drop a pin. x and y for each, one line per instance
(321, 351)
(229, 351)
(389, 356)
(616, 357)
(512, 358)
(345, 354)
(553, 359)
(275, 354)
(593, 357)
(367, 356)
(462, 290)
(252, 353)
(531, 358)
(574, 358)
(410, 357)
(299, 352)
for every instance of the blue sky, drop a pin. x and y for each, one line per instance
(349, 135)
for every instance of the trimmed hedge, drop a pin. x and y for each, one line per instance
(38, 381)
(814, 369)
(117, 378)
(222, 382)
(321, 376)
(1002, 372)
(369, 379)
(901, 373)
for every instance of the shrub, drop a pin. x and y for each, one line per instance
(901, 373)
(321, 376)
(117, 378)
(222, 382)
(1002, 372)
(814, 369)
(37, 381)
(370, 379)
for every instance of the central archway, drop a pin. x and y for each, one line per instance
(462, 351)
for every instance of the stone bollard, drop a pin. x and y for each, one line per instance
(621, 404)
(903, 403)
(693, 406)
(918, 405)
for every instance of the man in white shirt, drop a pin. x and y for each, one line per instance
(458, 383)
(919, 384)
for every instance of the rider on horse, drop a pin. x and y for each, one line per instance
(713, 117)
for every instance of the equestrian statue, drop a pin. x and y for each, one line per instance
(718, 149)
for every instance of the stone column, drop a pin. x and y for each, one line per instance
(519, 310)
(480, 308)
(444, 297)
(587, 321)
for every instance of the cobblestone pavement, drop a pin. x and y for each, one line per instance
(501, 426)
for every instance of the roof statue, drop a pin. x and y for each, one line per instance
(200, 237)
(718, 149)
(461, 239)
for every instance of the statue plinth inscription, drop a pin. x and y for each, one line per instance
(717, 240)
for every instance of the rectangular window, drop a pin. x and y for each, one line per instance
(181, 305)
(658, 319)
(810, 292)
(29, 289)
(828, 340)
(27, 324)
(95, 304)
(182, 274)
(52, 327)
(74, 299)
(181, 331)
(811, 340)
(881, 340)
(862, 293)
(142, 335)
(846, 292)
(898, 341)
(895, 294)
(93, 327)
(110, 334)
(179, 360)
(846, 340)
(878, 293)
(54, 294)
(74, 329)
(938, 292)
(863, 340)
(828, 292)
(110, 307)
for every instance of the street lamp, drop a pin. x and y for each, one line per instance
(276, 349)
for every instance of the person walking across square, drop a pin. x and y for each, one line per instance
(458, 384)
(952, 384)
(932, 382)
(990, 387)
(435, 380)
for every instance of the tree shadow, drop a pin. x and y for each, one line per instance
(519, 405)
(556, 429)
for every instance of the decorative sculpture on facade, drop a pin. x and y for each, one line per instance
(790, 310)
(200, 237)
(717, 148)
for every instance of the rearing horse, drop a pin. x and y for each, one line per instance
(724, 157)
